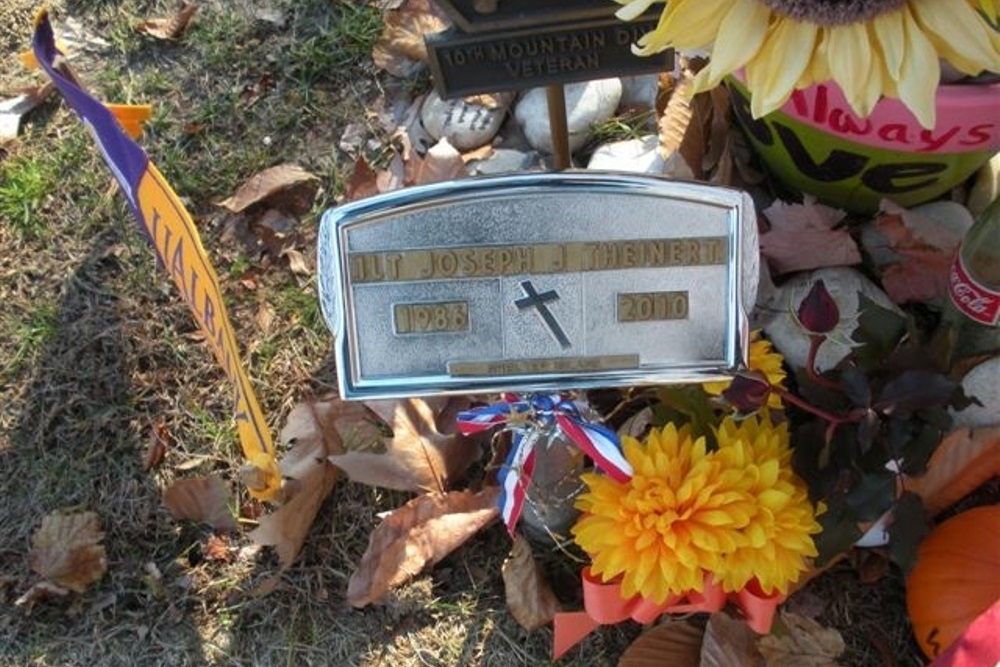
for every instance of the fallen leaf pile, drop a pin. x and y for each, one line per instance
(311, 432)
(266, 211)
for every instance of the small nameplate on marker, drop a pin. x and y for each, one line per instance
(537, 282)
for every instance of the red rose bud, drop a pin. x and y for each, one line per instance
(818, 313)
(747, 392)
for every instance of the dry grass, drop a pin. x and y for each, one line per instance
(96, 348)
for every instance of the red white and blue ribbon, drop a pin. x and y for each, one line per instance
(535, 418)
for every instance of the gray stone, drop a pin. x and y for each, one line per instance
(502, 161)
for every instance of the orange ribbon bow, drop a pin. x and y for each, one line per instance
(604, 605)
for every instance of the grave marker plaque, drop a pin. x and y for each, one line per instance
(537, 282)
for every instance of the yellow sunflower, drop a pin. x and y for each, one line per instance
(870, 48)
(780, 532)
(762, 358)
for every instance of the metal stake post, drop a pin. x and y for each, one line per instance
(556, 102)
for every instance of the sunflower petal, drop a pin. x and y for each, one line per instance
(748, 19)
(921, 71)
(959, 33)
(776, 70)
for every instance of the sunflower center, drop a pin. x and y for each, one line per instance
(833, 12)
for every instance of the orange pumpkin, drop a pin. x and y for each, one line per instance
(956, 578)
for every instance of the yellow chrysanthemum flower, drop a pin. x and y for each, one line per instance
(780, 533)
(666, 527)
(870, 48)
(737, 513)
(762, 358)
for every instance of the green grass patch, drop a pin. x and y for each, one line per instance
(24, 184)
(27, 336)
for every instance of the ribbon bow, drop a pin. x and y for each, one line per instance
(532, 418)
(604, 605)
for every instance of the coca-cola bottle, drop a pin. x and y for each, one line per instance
(974, 286)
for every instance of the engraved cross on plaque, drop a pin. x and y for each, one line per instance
(533, 299)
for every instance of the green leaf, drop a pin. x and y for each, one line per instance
(871, 496)
(918, 448)
(855, 384)
(914, 390)
(692, 403)
(909, 528)
(878, 333)
(840, 532)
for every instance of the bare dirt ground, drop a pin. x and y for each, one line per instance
(98, 353)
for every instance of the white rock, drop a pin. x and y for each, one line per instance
(983, 382)
(502, 161)
(587, 103)
(465, 124)
(843, 284)
(635, 155)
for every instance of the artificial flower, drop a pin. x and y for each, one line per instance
(666, 527)
(763, 358)
(870, 48)
(737, 514)
(781, 531)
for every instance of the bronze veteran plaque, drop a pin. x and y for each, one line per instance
(465, 64)
(537, 282)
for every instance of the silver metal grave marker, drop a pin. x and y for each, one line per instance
(537, 282)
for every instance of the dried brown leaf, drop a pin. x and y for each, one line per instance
(16, 108)
(66, 550)
(804, 643)
(156, 447)
(400, 49)
(296, 262)
(674, 643)
(264, 317)
(926, 251)
(170, 28)
(728, 642)
(418, 457)
(362, 182)
(964, 460)
(217, 548)
(204, 498)
(417, 536)
(443, 162)
(311, 432)
(529, 598)
(40, 592)
(395, 176)
(802, 237)
(287, 187)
